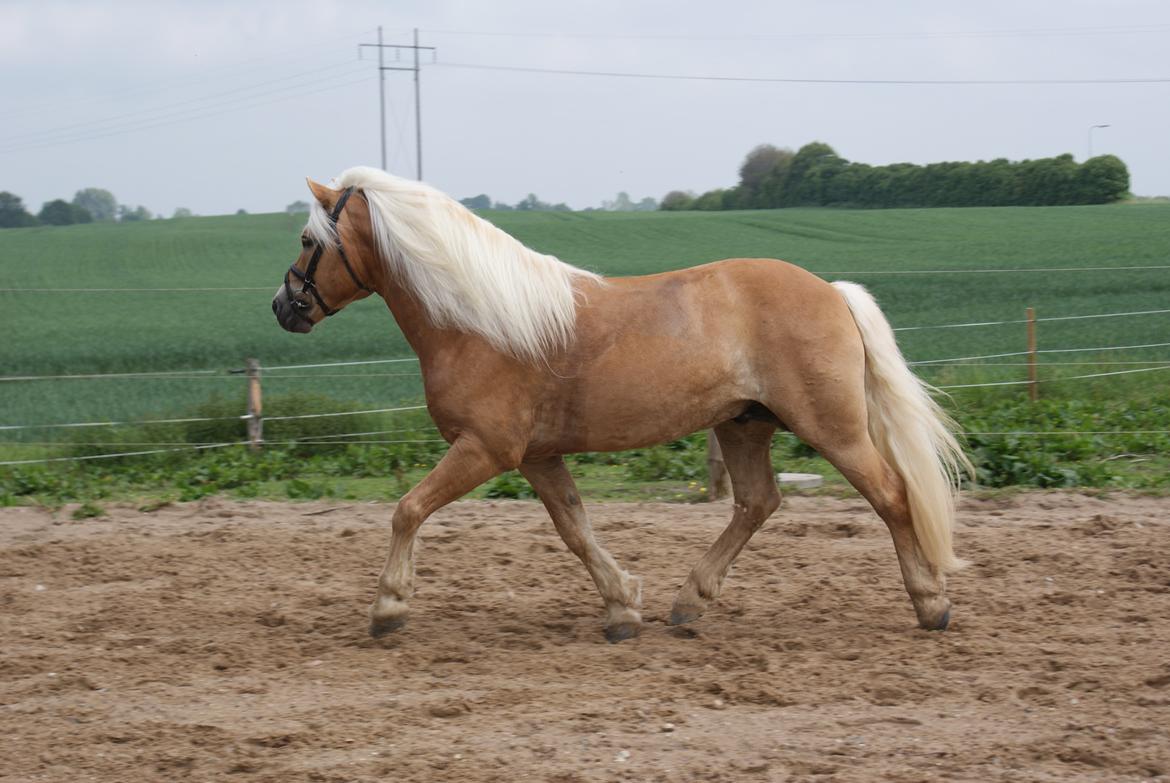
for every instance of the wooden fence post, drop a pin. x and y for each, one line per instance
(1033, 381)
(255, 406)
(718, 481)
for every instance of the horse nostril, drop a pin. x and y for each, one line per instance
(275, 307)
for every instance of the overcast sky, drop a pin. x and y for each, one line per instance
(217, 106)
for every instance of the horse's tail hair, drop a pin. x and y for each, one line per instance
(910, 430)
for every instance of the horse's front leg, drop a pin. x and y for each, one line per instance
(621, 592)
(466, 465)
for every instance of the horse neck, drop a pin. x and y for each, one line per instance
(409, 315)
(424, 339)
(428, 342)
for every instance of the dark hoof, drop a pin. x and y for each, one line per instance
(683, 615)
(621, 632)
(940, 624)
(379, 628)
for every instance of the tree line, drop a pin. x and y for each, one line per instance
(88, 206)
(816, 176)
(621, 203)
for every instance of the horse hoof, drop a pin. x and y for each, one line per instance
(621, 631)
(940, 624)
(379, 628)
(681, 615)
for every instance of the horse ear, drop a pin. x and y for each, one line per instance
(326, 196)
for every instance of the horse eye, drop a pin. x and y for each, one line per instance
(305, 241)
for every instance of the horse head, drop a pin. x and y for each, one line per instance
(326, 276)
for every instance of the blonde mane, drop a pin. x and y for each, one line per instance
(466, 273)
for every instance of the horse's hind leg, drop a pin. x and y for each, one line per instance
(622, 593)
(746, 454)
(859, 461)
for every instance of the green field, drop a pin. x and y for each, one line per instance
(62, 332)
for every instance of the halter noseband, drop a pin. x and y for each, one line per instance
(306, 277)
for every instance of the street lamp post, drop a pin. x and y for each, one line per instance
(1091, 129)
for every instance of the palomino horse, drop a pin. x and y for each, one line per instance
(525, 358)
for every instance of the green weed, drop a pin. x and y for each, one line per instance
(124, 332)
(509, 485)
(88, 510)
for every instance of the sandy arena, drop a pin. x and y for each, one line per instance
(226, 641)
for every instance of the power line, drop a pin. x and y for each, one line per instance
(924, 34)
(249, 103)
(94, 125)
(228, 71)
(779, 80)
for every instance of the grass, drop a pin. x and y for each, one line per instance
(51, 333)
(104, 332)
(673, 472)
(289, 468)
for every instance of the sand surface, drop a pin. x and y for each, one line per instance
(226, 641)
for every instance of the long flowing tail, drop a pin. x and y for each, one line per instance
(910, 431)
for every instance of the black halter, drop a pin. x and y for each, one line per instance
(306, 277)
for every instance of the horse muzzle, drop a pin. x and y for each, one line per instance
(287, 316)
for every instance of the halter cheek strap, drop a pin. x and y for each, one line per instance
(307, 278)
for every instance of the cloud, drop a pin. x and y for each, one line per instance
(155, 35)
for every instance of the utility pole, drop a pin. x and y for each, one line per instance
(417, 111)
(382, 68)
(382, 95)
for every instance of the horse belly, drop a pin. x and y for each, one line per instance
(656, 399)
